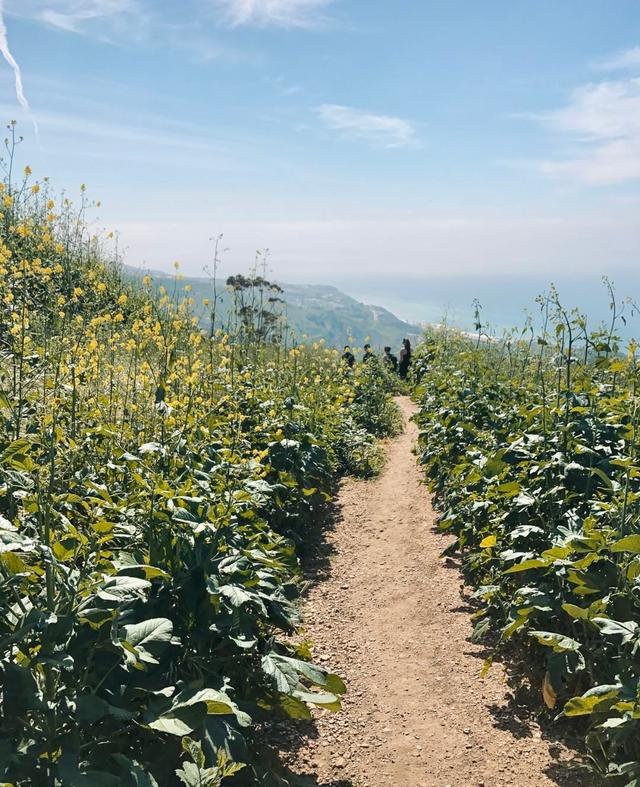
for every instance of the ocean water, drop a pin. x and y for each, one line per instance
(505, 300)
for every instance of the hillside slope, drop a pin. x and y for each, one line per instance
(313, 310)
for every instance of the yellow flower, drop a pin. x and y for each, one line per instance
(27, 170)
(146, 281)
(176, 264)
(7, 200)
(122, 299)
(50, 204)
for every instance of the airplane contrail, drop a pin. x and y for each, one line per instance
(6, 52)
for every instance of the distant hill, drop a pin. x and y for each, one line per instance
(316, 310)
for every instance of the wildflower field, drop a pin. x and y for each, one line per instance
(530, 444)
(155, 480)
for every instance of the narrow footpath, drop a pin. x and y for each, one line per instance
(387, 613)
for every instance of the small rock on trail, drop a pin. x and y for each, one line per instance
(389, 618)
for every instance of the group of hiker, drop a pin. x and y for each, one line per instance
(398, 364)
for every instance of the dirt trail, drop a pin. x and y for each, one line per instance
(387, 613)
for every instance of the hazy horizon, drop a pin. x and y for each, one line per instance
(355, 140)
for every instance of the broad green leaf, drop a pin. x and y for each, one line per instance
(172, 725)
(285, 677)
(293, 707)
(630, 544)
(510, 489)
(559, 642)
(526, 565)
(215, 702)
(627, 630)
(148, 638)
(143, 570)
(597, 699)
(194, 750)
(123, 588)
(312, 672)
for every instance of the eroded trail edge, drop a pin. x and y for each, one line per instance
(388, 615)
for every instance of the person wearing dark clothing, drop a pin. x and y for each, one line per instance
(348, 357)
(368, 354)
(405, 358)
(390, 360)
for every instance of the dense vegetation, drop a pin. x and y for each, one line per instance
(312, 310)
(531, 446)
(154, 479)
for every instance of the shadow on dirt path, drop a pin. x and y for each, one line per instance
(385, 610)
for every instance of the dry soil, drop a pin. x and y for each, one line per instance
(385, 610)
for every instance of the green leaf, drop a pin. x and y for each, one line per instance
(20, 447)
(293, 707)
(559, 642)
(588, 613)
(602, 476)
(312, 672)
(285, 677)
(629, 544)
(149, 638)
(215, 702)
(123, 588)
(595, 700)
(510, 489)
(143, 570)
(237, 596)
(173, 725)
(526, 565)
(327, 701)
(627, 630)
(194, 750)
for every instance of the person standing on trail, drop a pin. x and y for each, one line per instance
(405, 358)
(390, 360)
(368, 354)
(348, 357)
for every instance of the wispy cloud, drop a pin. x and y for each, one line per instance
(627, 59)
(382, 131)
(274, 13)
(6, 53)
(72, 15)
(600, 125)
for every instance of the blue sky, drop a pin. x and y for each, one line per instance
(360, 140)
